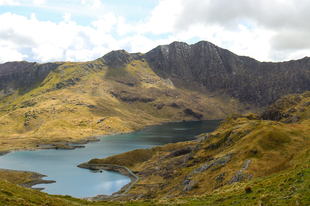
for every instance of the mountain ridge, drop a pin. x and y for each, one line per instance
(175, 82)
(65, 101)
(210, 69)
(221, 71)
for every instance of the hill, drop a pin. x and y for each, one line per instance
(246, 161)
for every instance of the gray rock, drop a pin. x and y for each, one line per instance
(205, 67)
(239, 176)
(188, 185)
(220, 177)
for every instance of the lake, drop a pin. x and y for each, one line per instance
(61, 165)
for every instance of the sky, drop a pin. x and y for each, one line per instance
(84, 30)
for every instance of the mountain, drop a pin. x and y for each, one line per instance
(208, 68)
(56, 102)
(53, 103)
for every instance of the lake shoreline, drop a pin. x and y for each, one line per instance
(120, 169)
(115, 168)
(35, 177)
(65, 145)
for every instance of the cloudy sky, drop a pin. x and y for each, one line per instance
(82, 30)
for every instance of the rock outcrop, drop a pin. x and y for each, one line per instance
(208, 68)
(23, 74)
(289, 109)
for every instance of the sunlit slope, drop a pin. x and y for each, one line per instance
(116, 93)
(245, 161)
(289, 109)
(269, 157)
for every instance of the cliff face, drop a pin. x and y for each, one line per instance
(23, 74)
(213, 69)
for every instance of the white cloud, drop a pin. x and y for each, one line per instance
(47, 52)
(9, 2)
(38, 2)
(78, 55)
(67, 17)
(97, 3)
(106, 22)
(163, 18)
(10, 54)
(259, 29)
(92, 3)
(46, 41)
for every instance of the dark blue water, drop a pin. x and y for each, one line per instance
(61, 165)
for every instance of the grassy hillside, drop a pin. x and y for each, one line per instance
(290, 187)
(245, 160)
(214, 170)
(75, 101)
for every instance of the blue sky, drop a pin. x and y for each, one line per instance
(82, 13)
(83, 30)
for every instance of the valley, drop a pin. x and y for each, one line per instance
(57, 102)
(259, 154)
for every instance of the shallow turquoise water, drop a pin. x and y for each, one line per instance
(61, 165)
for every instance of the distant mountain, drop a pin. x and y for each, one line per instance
(202, 67)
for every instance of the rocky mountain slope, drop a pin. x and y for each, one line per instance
(57, 102)
(208, 68)
(123, 92)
